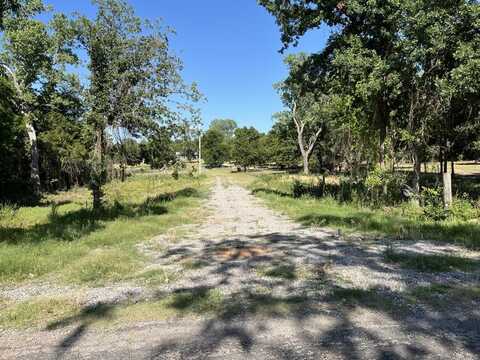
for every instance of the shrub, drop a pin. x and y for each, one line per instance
(432, 201)
(462, 209)
(297, 189)
(385, 187)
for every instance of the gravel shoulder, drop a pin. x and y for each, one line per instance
(287, 292)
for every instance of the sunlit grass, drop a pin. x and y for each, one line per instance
(68, 242)
(401, 222)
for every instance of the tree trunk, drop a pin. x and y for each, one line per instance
(416, 174)
(98, 143)
(383, 136)
(453, 167)
(301, 145)
(32, 134)
(96, 183)
(122, 172)
(381, 123)
(306, 168)
(440, 159)
(447, 190)
(34, 166)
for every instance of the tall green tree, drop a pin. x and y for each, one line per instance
(226, 126)
(247, 150)
(372, 26)
(12, 142)
(159, 149)
(214, 148)
(305, 107)
(396, 65)
(33, 57)
(281, 146)
(133, 77)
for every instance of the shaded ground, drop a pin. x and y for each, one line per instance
(261, 286)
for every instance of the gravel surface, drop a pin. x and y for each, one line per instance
(245, 249)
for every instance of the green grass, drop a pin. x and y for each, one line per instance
(60, 312)
(402, 222)
(431, 263)
(285, 271)
(369, 298)
(156, 277)
(68, 242)
(50, 314)
(444, 296)
(35, 313)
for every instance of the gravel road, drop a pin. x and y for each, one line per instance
(353, 304)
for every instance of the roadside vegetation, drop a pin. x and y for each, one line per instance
(377, 140)
(354, 210)
(64, 239)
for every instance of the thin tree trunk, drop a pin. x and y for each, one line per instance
(98, 160)
(34, 154)
(305, 149)
(383, 136)
(31, 133)
(382, 126)
(440, 158)
(122, 174)
(98, 143)
(301, 145)
(414, 103)
(416, 173)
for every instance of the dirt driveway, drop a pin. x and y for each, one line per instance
(287, 292)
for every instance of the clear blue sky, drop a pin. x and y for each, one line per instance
(229, 47)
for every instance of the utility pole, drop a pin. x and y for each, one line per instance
(199, 152)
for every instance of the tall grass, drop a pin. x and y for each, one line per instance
(65, 240)
(399, 222)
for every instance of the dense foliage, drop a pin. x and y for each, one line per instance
(396, 83)
(59, 131)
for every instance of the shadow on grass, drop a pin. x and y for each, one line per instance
(466, 234)
(271, 191)
(78, 223)
(431, 262)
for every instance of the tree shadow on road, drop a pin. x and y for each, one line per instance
(280, 299)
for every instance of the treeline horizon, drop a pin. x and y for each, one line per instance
(397, 82)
